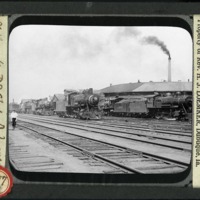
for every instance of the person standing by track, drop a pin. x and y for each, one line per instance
(14, 116)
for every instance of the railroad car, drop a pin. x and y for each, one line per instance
(155, 106)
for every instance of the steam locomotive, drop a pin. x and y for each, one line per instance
(155, 106)
(83, 105)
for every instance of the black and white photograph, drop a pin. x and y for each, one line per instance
(100, 99)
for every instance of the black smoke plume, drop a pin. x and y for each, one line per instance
(155, 41)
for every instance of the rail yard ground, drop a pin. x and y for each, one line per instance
(111, 145)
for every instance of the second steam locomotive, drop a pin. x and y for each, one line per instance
(172, 107)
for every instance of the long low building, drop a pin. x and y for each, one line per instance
(148, 88)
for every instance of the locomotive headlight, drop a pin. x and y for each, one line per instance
(93, 100)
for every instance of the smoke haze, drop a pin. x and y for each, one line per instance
(124, 33)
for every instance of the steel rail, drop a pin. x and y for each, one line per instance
(89, 153)
(80, 127)
(136, 127)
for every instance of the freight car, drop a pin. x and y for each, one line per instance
(155, 106)
(84, 105)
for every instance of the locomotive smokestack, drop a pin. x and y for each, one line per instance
(169, 69)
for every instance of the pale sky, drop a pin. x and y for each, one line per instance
(45, 60)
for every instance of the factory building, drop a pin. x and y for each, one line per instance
(27, 106)
(33, 106)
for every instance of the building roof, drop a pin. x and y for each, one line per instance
(164, 87)
(126, 87)
(58, 97)
(149, 87)
(70, 90)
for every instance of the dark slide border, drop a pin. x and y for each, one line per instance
(82, 186)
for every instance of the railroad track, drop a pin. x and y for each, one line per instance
(176, 142)
(139, 124)
(143, 144)
(159, 125)
(149, 127)
(122, 160)
(146, 120)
